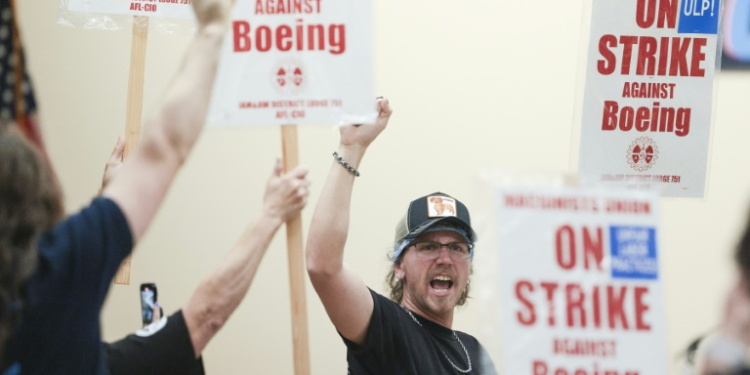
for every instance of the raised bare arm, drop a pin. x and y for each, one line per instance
(171, 130)
(218, 296)
(343, 293)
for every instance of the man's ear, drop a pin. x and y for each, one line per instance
(399, 272)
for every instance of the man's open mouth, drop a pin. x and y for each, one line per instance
(441, 283)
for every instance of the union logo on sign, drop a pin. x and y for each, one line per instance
(289, 76)
(642, 154)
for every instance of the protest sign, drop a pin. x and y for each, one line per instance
(296, 61)
(648, 101)
(580, 290)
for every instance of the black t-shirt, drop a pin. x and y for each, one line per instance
(396, 344)
(161, 348)
(60, 332)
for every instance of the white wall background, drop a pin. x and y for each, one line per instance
(482, 83)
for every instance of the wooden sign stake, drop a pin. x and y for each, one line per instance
(134, 111)
(297, 271)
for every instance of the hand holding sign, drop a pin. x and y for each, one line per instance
(286, 193)
(210, 12)
(114, 163)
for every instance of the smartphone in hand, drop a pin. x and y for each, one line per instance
(148, 300)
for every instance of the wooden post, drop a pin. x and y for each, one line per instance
(297, 271)
(134, 111)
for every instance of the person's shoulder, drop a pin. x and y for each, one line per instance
(386, 309)
(100, 213)
(484, 362)
(382, 301)
(103, 205)
(92, 214)
(103, 213)
(377, 297)
(469, 339)
(98, 235)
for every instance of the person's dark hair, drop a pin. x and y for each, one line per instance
(396, 285)
(30, 204)
(742, 254)
(692, 349)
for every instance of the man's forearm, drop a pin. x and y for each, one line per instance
(182, 113)
(330, 224)
(218, 296)
(173, 128)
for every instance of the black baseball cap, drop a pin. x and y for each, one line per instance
(424, 212)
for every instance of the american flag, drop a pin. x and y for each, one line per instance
(17, 103)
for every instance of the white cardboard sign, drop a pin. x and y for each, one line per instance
(580, 287)
(647, 110)
(296, 62)
(150, 8)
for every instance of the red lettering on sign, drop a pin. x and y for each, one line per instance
(319, 38)
(646, 57)
(565, 247)
(580, 347)
(627, 52)
(550, 288)
(640, 309)
(592, 247)
(646, 13)
(539, 367)
(282, 34)
(698, 55)
(529, 317)
(654, 119)
(615, 303)
(679, 56)
(668, 13)
(648, 61)
(287, 6)
(648, 90)
(644, 16)
(663, 55)
(584, 305)
(574, 297)
(569, 261)
(596, 310)
(607, 66)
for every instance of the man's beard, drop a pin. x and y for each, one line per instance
(421, 300)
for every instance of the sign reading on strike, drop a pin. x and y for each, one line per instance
(150, 8)
(580, 282)
(649, 89)
(296, 62)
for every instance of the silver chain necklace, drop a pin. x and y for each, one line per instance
(468, 359)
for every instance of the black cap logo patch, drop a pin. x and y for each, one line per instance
(440, 206)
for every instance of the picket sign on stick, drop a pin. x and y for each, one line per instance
(134, 110)
(324, 77)
(295, 254)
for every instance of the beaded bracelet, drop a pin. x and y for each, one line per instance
(344, 164)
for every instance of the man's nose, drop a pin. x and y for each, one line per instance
(444, 256)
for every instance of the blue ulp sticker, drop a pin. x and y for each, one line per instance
(633, 252)
(699, 16)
